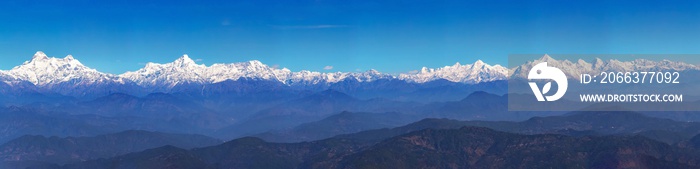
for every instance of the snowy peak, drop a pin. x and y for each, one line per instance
(574, 69)
(69, 76)
(40, 58)
(546, 58)
(185, 71)
(598, 63)
(469, 73)
(155, 75)
(256, 63)
(39, 55)
(69, 58)
(43, 71)
(184, 61)
(369, 75)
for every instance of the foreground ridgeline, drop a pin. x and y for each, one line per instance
(576, 140)
(467, 147)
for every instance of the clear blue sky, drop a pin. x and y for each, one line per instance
(387, 35)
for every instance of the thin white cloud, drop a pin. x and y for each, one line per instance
(198, 60)
(328, 68)
(308, 26)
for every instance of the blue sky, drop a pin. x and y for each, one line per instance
(390, 36)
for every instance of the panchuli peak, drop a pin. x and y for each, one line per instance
(255, 63)
(39, 55)
(184, 60)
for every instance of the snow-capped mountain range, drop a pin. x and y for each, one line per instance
(42, 71)
(67, 76)
(573, 70)
(470, 73)
(185, 70)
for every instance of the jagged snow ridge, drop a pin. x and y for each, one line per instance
(45, 71)
(469, 73)
(573, 70)
(182, 70)
(185, 70)
(42, 70)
